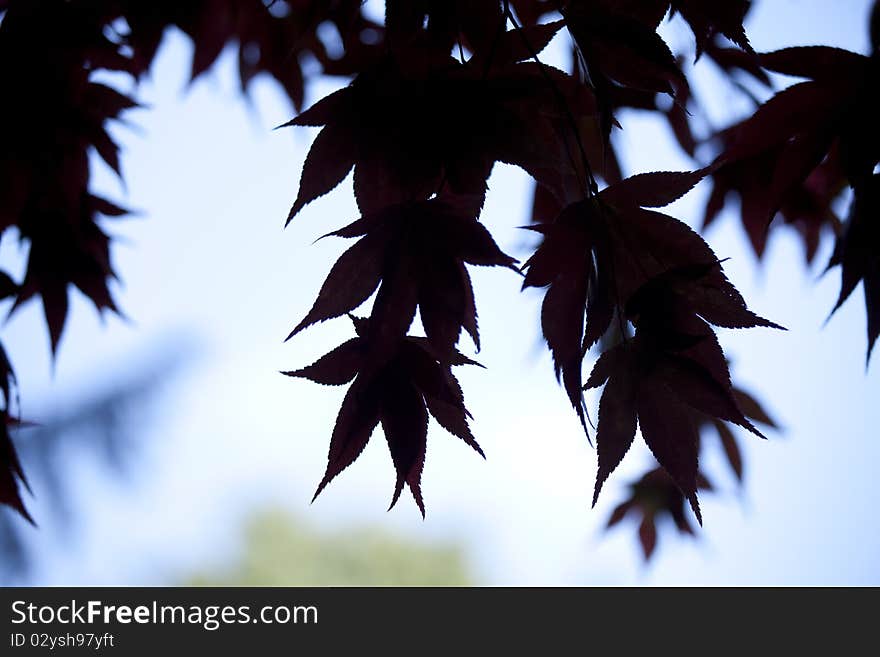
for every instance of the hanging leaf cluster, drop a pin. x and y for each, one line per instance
(435, 94)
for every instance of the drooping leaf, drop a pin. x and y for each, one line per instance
(336, 368)
(419, 122)
(398, 389)
(607, 253)
(707, 19)
(415, 254)
(858, 253)
(621, 46)
(652, 498)
(797, 151)
(671, 369)
(11, 475)
(351, 281)
(617, 418)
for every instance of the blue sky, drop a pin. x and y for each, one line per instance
(208, 266)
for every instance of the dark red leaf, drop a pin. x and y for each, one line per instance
(753, 409)
(617, 421)
(802, 108)
(620, 47)
(328, 162)
(697, 387)
(11, 474)
(731, 448)
(857, 254)
(405, 423)
(619, 513)
(357, 418)
(397, 385)
(653, 496)
(653, 190)
(648, 536)
(707, 19)
(330, 108)
(816, 62)
(519, 44)
(337, 367)
(668, 429)
(351, 281)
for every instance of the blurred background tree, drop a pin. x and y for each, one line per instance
(281, 550)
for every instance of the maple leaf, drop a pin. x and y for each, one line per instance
(671, 367)
(670, 285)
(752, 410)
(415, 253)
(577, 307)
(637, 19)
(440, 26)
(397, 389)
(653, 379)
(600, 252)
(619, 45)
(67, 252)
(826, 121)
(439, 94)
(806, 207)
(595, 134)
(268, 42)
(707, 19)
(656, 495)
(48, 133)
(800, 124)
(11, 473)
(652, 497)
(857, 251)
(734, 60)
(414, 124)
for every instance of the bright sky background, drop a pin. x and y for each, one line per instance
(208, 264)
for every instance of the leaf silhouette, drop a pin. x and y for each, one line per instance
(607, 253)
(619, 44)
(76, 253)
(813, 129)
(415, 254)
(858, 253)
(670, 368)
(839, 92)
(707, 19)
(652, 497)
(11, 473)
(436, 94)
(577, 307)
(377, 125)
(398, 390)
(805, 206)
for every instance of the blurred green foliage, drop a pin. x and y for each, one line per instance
(279, 550)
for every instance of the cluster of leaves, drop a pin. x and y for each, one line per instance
(655, 497)
(802, 149)
(422, 130)
(439, 93)
(55, 114)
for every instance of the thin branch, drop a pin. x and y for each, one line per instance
(560, 99)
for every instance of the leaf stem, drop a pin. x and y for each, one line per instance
(592, 187)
